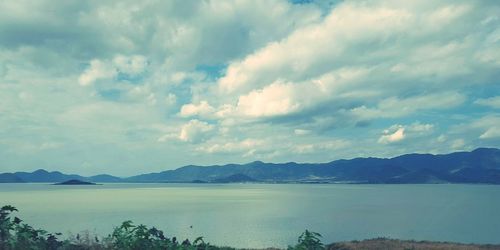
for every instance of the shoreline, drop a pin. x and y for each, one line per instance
(396, 244)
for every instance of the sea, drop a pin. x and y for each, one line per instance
(265, 215)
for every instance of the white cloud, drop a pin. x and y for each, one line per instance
(484, 128)
(397, 132)
(102, 69)
(302, 131)
(320, 147)
(297, 79)
(378, 30)
(202, 109)
(458, 144)
(317, 70)
(273, 100)
(403, 68)
(442, 138)
(418, 127)
(133, 65)
(97, 70)
(389, 137)
(195, 131)
(247, 146)
(313, 47)
(493, 102)
(285, 98)
(396, 107)
(493, 132)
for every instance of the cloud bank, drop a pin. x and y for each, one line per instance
(126, 87)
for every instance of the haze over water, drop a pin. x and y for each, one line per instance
(264, 215)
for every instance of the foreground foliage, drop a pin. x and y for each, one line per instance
(15, 235)
(308, 241)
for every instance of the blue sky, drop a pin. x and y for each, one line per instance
(127, 87)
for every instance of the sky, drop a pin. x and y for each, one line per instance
(129, 87)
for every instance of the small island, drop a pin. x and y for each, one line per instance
(75, 182)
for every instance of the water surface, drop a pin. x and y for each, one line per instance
(263, 215)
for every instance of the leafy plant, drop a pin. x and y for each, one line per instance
(308, 241)
(16, 235)
(131, 237)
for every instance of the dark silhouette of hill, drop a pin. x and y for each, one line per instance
(478, 166)
(42, 175)
(10, 178)
(75, 182)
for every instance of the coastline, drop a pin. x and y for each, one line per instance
(395, 244)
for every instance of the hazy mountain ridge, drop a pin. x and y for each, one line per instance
(479, 166)
(42, 175)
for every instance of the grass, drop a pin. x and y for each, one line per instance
(394, 244)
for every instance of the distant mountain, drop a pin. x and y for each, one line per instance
(9, 178)
(42, 175)
(479, 166)
(45, 176)
(420, 176)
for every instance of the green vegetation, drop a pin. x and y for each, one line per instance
(15, 235)
(308, 241)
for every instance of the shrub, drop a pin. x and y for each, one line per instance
(308, 241)
(16, 235)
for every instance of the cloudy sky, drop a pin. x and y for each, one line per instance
(127, 87)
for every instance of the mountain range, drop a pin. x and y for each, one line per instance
(478, 166)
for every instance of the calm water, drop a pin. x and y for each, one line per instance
(255, 215)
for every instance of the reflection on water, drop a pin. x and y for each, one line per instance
(263, 215)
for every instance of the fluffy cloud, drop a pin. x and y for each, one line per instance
(201, 109)
(458, 144)
(397, 132)
(493, 102)
(131, 66)
(273, 100)
(484, 128)
(97, 70)
(249, 146)
(493, 132)
(195, 131)
(366, 60)
(396, 136)
(488, 124)
(371, 29)
(301, 131)
(396, 107)
(321, 147)
(313, 47)
(242, 80)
